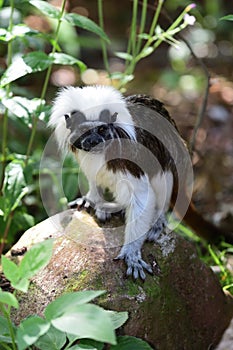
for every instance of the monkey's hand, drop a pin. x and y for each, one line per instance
(135, 264)
(81, 203)
(103, 210)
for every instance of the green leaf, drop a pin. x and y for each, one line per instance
(19, 30)
(82, 347)
(144, 36)
(130, 343)
(30, 330)
(36, 258)
(4, 329)
(9, 299)
(87, 321)
(124, 55)
(64, 59)
(65, 303)
(12, 273)
(46, 8)
(93, 343)
(85, 23)
(10, 270)
(227, 18)
(32, 62)
(14, 187)
(118, 318)
(146, 52)
(52, 340)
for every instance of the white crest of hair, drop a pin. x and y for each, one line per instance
(90, 100)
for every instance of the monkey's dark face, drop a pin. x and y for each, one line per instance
(91, 136)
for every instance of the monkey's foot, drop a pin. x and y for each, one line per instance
(81, 203)
(156, 229)
(135, 264)
(102, 215)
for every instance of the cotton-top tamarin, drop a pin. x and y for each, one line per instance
(130, 146)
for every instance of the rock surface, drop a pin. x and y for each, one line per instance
(180, 307)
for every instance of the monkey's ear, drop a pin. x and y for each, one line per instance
(114, 117)
(105, 116)
(68, 121)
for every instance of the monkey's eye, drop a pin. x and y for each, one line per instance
(102, 129)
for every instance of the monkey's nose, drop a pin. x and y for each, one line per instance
(92, 143)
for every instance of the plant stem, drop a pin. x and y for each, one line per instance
(5, 233)
(45, 85)
(6, 313)
(156, 16)
(5, 117)
(103, 42)
(142, 25)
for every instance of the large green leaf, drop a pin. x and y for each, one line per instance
(65, 303)
(52, 340)
(87, 321)
(46, 8)
(32, 62)
(118, 318)
(9, 299)
(130, 343)
(85, 23)
(30, 330)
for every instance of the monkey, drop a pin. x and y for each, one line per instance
(131, 146)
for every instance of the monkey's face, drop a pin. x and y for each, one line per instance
(91, 136)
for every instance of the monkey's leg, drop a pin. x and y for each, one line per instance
(157, 228)
(139, 216)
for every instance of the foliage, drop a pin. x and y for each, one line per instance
(217, 257)
(69, 322)
(19, 172)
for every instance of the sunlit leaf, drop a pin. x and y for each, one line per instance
(46, 8)
(66, 302)
(87, 321)
(36, 258)
(124, 55)
(19, 30)
(30, 330)
(85, 23)
(24, 108)
(32, 62)
(9, 299)
(14, 187)
(146, 52)
(64, 59)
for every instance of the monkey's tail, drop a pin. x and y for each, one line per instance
(202, 227)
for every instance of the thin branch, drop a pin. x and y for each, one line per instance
(201, 113)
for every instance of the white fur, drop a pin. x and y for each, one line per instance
(142, 198)
(90, 100)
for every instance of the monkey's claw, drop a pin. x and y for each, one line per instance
(102, 215)
(80, 203)
(135, 264)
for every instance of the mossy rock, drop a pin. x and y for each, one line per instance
(180, 307)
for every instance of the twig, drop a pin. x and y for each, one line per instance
(200, 62)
